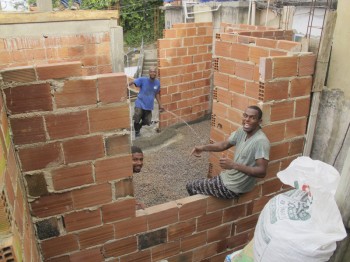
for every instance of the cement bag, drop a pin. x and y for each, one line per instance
(302, 224)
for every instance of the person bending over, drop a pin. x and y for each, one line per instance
(144, 104)
(252, 149)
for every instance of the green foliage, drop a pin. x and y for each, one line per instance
(138, 21)
(98, 4)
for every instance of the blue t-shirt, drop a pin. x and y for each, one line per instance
(148, 90)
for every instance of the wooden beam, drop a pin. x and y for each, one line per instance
(69, 15)
(320, 76)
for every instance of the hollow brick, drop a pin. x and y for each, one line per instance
(118, 210)
(19, 74)
(82, 220)
(58, 70)
(92, 196)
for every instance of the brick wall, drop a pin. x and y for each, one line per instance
(272, 74)
(71, 135)
(184, 62)
(17, 235)
(93, 50)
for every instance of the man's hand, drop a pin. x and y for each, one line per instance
(196, 151)
(226, 163)
(161, 109)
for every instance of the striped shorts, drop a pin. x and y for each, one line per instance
(211, 187)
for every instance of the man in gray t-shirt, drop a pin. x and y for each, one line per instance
(250, 160)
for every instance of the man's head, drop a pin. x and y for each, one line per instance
(251, 119)
(153, 73)
(137, 159)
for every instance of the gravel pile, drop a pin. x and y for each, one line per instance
(168, 167)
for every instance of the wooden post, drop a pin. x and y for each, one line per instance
(320, 75)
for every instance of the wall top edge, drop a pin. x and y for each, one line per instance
(43, 17)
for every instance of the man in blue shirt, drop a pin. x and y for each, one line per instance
(144, 104)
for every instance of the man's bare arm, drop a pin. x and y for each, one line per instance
(216, 147)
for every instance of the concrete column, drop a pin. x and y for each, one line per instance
(117, 48)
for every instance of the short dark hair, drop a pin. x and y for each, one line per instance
(260, 113)
(136, 149)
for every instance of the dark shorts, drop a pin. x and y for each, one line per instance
(144, 115)
(210, 186)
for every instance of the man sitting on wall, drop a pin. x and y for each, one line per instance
(250, 161)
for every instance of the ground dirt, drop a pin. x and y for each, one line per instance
(169, 166)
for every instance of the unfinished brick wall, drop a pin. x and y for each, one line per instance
(17, 235)
(71, 135)
(92, 49)
(184, 61)
(273, 75)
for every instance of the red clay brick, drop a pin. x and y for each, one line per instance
(282, 111)
(218, 233)
(191, 207)
(31, 98)
(279, 151)
(76, 93)
(234, 213)
(215, 204)
(285, 66)
(307, 65)
(302, 107)
(205, 251)
(141, 256)
(300, 86)
(83, 219)
(92, 196)
(131, 226)
(165, 250)
(246, 223)
(162, 215)
(227, 66)
(296, 127)
(245, 70)
(112, 87)
(208, 221)
(113, 168)
(222, 48)
(239, 51)
(19, 74)
(28, 130)
(240, 102)
(120, 247)
(193, 241)
(109, 118)
(296, 147)
(289, 45)
(39, 157)
(59, 245)
(256, 53)
(266, 42)
(252, 90)
(220, 80)
(275, 132)
(119, 144)
(118, 210)
(52, 205)
(259, 204)
(224, 96)
(236, 85)
(81, 149)
(86, 255)
(182, 229)
(59, 70)
(96, 236)
(276, 90)
(272, 186)
(72, 176)
(124, 187)
(67, 125)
